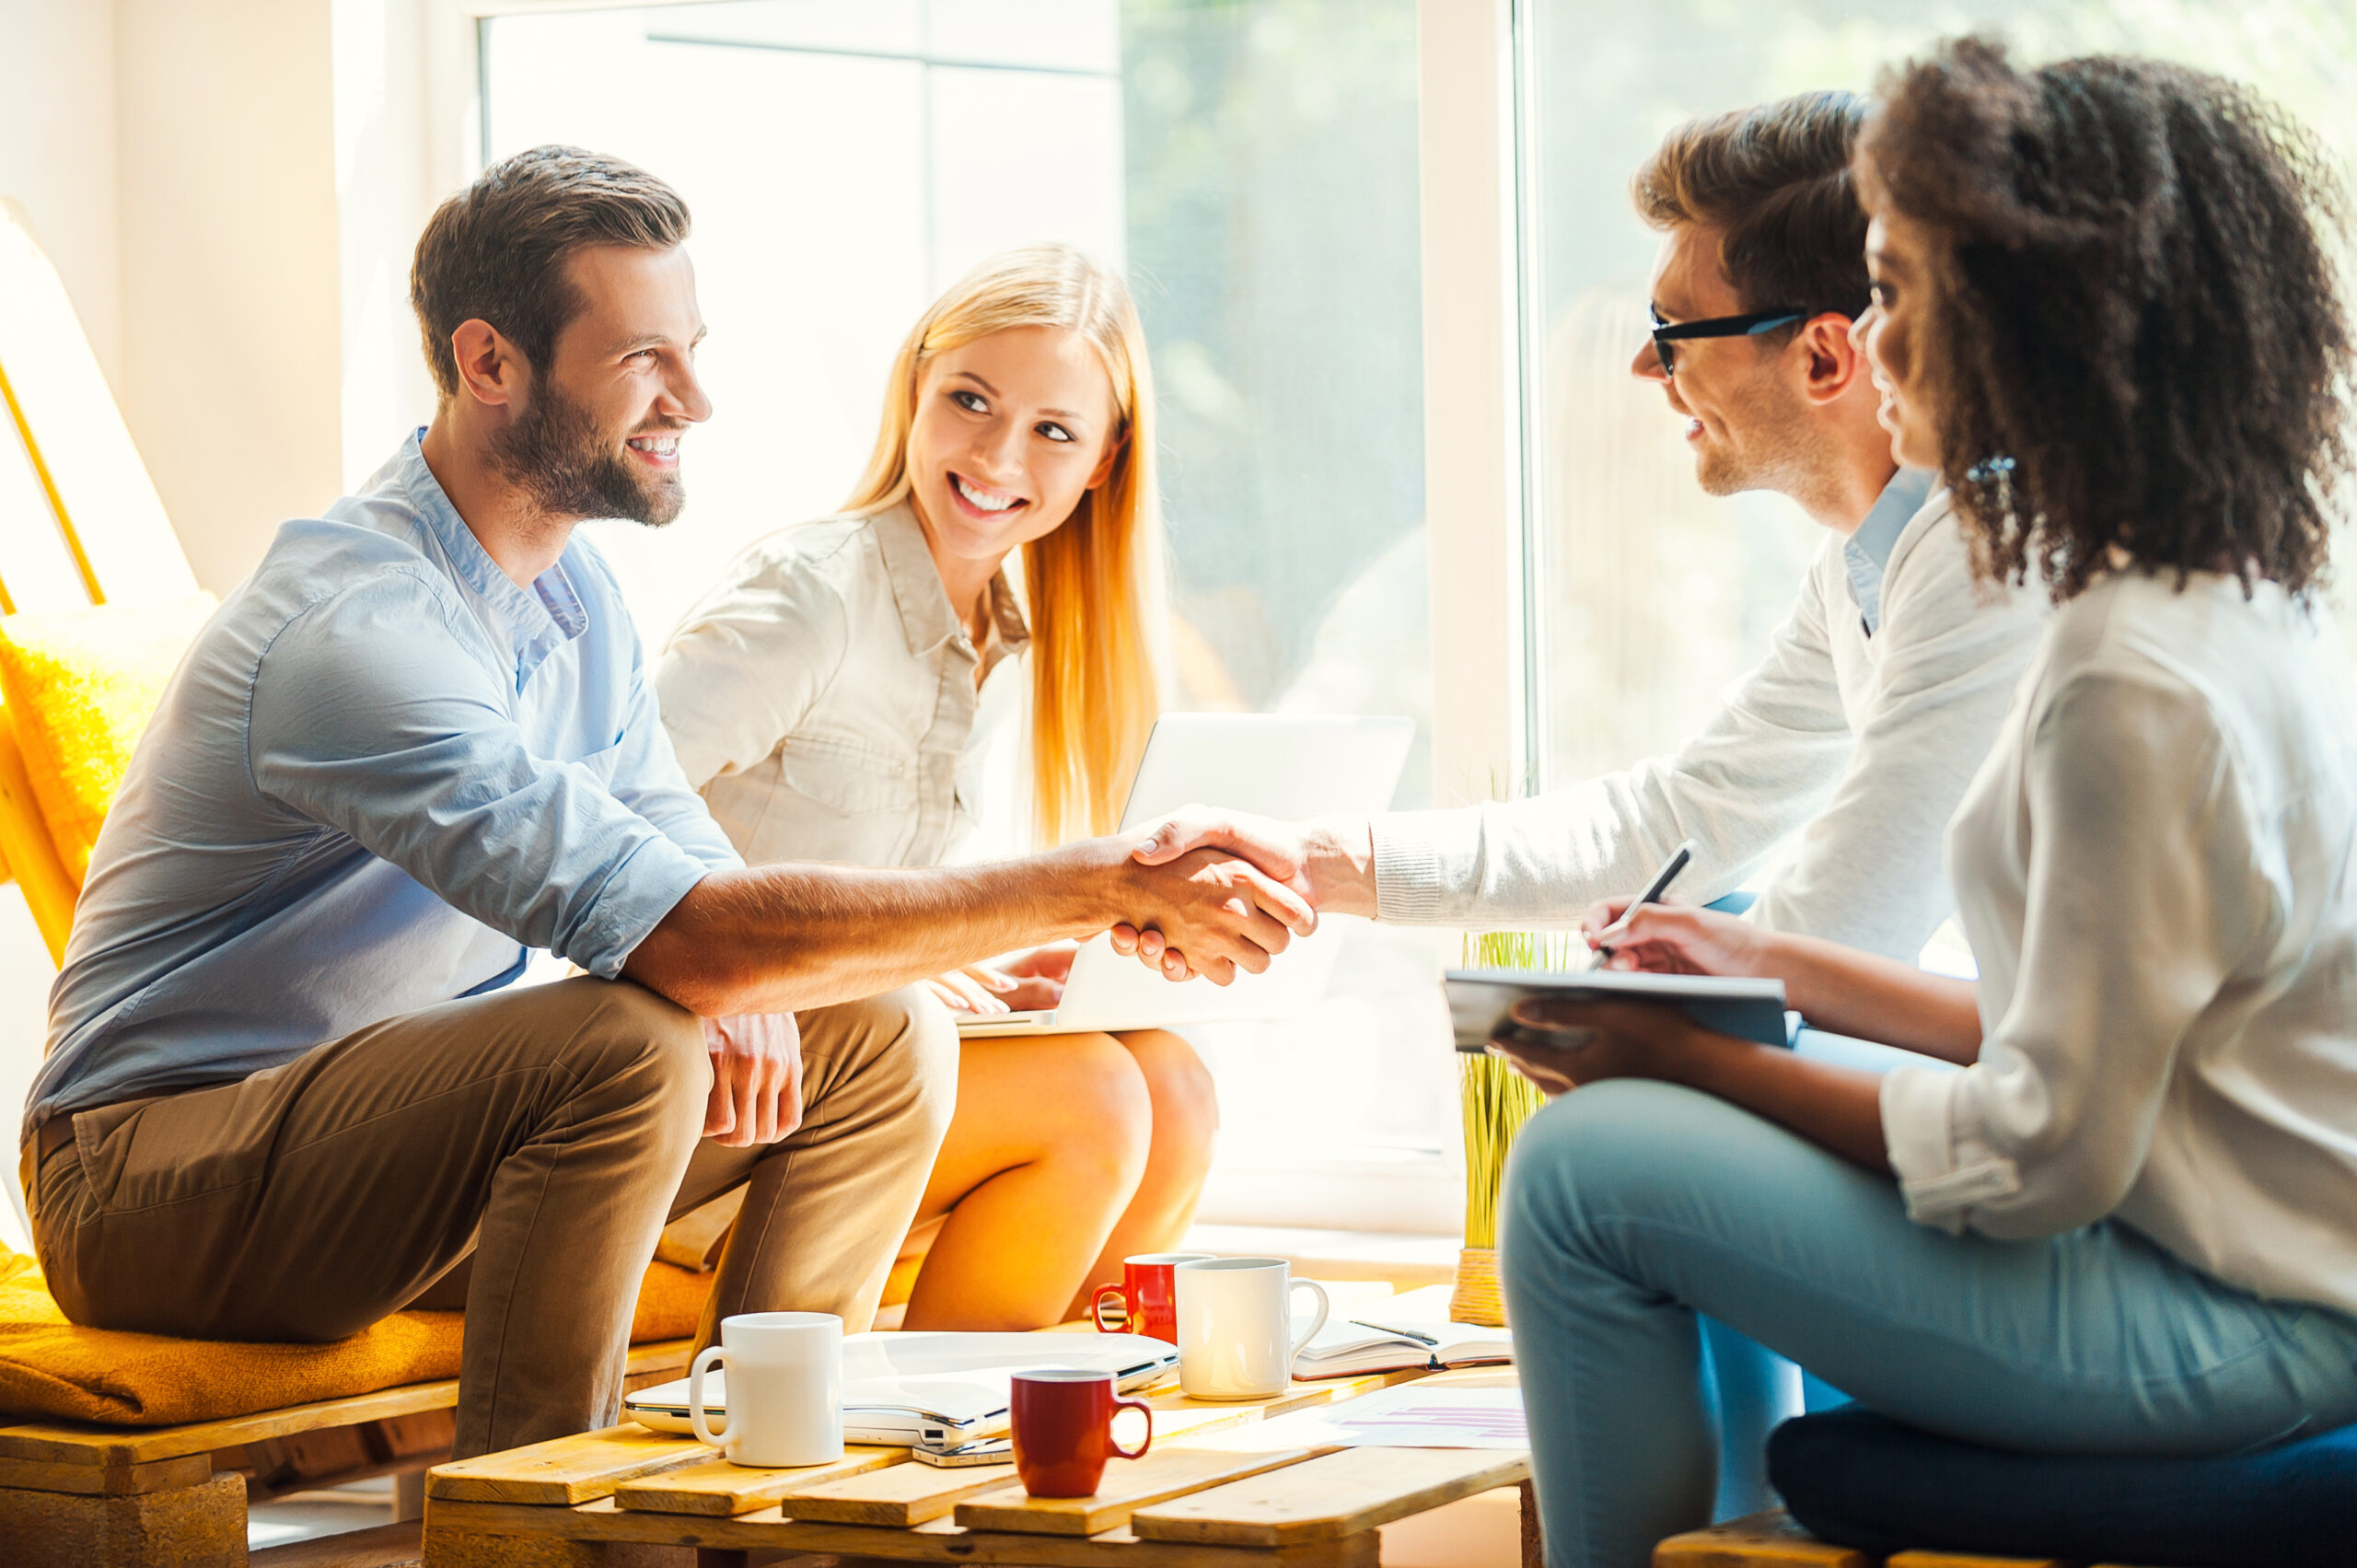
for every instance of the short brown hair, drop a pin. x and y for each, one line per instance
(1775, 180)
(496, 251)
(2135, 337)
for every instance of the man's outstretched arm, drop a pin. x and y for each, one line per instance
(781, 938)
(1756, 770)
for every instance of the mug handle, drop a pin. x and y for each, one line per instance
(1097, 1308)
(696, 1412)
(1142, 1408)
(1311, 1333)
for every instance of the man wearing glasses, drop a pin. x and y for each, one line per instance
(1836, 762)
(1839, 760)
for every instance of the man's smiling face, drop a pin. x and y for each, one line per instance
(1743, 419)
(598, 435)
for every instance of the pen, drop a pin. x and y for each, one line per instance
(1652, 895)
(1422, 1339)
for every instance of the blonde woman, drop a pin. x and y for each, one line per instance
(832, 697)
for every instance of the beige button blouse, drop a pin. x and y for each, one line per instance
(823, 696)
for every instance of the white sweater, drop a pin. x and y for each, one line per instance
(2155, 869)
(1860, 745)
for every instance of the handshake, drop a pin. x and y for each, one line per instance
(1207, 892)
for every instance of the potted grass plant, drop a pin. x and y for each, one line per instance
(1496, 1101)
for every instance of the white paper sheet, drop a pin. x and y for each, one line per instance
(1413, 1415)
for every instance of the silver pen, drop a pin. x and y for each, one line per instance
(1652, 895)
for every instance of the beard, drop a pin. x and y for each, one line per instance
(1768, 452)
(556, 454)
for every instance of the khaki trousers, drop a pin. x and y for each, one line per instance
(544, 1136)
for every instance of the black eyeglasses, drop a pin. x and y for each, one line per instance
(1745, 326)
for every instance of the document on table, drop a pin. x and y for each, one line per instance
(1413, 1415)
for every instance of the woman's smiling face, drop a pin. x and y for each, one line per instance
(1890, 334)
(1010, 431)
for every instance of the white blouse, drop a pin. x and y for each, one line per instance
(2153, 866)
(823, 696)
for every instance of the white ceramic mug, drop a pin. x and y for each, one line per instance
(1236, 1338)
(784, 1396)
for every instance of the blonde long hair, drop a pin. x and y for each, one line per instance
(1094, 586)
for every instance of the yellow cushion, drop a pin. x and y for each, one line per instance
(80, 686)
(52, 1367)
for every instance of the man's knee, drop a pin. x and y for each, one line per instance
(928, 1057)
(620, 1029)
(900, 1048)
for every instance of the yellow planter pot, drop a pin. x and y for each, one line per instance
(1478, 1297)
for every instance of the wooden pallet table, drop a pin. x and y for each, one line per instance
(76, 1495)
(1210, 1495)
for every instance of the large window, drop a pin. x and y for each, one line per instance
(1648, 596)
(1253, 165)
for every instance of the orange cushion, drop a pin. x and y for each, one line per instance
(670, 1299)
(50, 1367)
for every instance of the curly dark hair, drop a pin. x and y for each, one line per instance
(2136, 342)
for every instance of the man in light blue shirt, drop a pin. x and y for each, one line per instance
(290, 1087)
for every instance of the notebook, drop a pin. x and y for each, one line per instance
(1376, 1342)
(1750, 1009)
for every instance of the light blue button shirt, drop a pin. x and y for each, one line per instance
(1868, 552)
(383, 774)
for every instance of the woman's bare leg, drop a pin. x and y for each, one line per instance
(1186, 1119)
(1049, 1139)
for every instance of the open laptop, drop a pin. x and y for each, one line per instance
(1280, 765)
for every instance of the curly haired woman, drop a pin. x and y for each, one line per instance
(2120, 1216)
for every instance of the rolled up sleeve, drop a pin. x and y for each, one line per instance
(413, 753)
(648, 779)
(2139, 900)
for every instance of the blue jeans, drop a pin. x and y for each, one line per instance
(1631, 1206)
(1749, 1387)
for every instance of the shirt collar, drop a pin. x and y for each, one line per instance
(1868, 552)
(534, 624)
(926, 616)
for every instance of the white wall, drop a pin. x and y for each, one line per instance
(230, 311)
(58, 150)
(400, 150)
(179, 160)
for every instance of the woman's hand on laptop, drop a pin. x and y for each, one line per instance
(1026, 982)
(1040, 975)
(756, 1079)
(977, 988)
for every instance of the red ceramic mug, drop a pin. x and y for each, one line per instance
(1063, 1421)
(1149, 1301)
